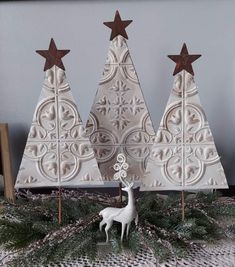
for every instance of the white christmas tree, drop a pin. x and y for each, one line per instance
(184, 155)
(119, 121)
(57, 151)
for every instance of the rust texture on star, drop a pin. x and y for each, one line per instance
(184, 61)
(53, 56)
(118, 26)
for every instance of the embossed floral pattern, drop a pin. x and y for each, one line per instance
(57, 152)
(119, 121)
(184, 155)
(120, 109)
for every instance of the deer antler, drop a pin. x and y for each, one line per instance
(121, 166)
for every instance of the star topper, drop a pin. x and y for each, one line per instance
(118, 26)
(53, 56)
(184, 60)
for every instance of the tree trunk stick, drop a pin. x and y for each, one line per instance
(120, 193)
(182, 205)
(60, 207)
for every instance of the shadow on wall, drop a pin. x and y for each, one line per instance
(1, 176)
(18, 136)
(228, 162)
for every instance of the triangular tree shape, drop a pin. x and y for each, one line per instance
(119, 120)
(57, 151)
(184, 155)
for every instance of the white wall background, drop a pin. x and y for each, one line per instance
(159, 28)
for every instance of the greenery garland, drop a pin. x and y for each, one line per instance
(29, 228)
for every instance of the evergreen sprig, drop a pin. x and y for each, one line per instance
(30, 226)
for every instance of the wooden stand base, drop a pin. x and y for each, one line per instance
(9, 192)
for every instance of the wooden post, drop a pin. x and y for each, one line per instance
(9, 192)
(182, 205)
(183, 142)
(120, 193)
(59, 207)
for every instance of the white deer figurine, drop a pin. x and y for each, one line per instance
(123, 215)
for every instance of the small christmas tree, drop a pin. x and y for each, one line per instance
(119, 121)
(57, 151)
(184, 155)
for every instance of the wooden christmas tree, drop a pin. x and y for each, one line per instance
(119, 121)
(184, 155)
(57, 151)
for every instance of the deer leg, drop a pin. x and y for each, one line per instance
(136, 219)
(127, 229)
(123, 230)
(107, 227)
(101, 225)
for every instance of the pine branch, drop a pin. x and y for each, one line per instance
(74, 195)
(31, 225)
(45, 248)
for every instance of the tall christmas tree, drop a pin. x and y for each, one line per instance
(57, 151)
(119, 121)
(184, 155)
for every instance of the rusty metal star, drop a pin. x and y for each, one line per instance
(53, 56)
(118, 26)
(184, 60)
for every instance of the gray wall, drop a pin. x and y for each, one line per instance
(159, 28)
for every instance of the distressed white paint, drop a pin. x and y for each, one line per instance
(119, 120)
(184, 155)
(57, 152)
